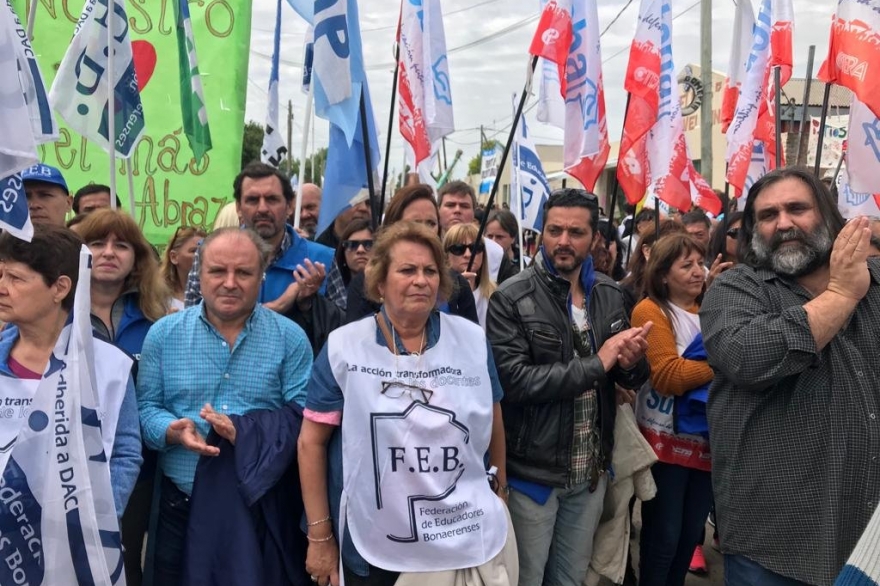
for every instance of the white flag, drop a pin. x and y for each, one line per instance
(863, 149)
(530, 186)
(43, 125)
(81, 89)
(274, 149)
(425, 95)
(56, 500)
(18, 149)
(852, 202)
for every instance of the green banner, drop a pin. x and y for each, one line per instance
(170, 188)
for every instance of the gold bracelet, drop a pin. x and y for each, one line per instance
(321, 540)
(324, 520)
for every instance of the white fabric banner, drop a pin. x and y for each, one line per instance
(836, 130)
(59, 520)
(863, 149)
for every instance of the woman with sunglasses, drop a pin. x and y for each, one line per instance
(401, 487)
(413, 203)
(723, 240)
(178, 260)
(460, 246)
(351, 258)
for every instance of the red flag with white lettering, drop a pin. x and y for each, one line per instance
(552, 40)
(854, 50)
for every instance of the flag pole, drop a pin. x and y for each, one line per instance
(365, 133)
(111, 106)
(130, 187)
(656, 214)
(612, 209)
(32, 15)
(805, 104)
(490, 203)
(297, 209)
(777, 79)
(822, 120)
(390, 126)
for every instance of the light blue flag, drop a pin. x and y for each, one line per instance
(339, 79)
(338, 70)
(345, 183)
(305, 8)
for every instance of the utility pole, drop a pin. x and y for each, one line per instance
(706, 81)
(290, 139)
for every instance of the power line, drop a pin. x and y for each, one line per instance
(389, 27)
(682, 13)
(390, 65)
(616, 18)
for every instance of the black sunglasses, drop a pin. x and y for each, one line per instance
(733, 233)
(355, 244)
(459, 249)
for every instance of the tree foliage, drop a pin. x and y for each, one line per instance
(252, 142)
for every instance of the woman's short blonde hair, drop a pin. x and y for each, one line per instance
(467, 234)
(376, 272)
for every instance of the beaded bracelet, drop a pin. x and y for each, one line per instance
(318, 522)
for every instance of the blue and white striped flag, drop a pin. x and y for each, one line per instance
(308, 58)
(81, 89)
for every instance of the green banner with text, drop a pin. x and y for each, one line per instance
(170, 188)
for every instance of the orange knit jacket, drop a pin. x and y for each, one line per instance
(670, 373)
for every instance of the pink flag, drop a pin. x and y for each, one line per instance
(743, 23)
(654, 155)
(854, 50)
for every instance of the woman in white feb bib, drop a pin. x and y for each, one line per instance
(421, 411)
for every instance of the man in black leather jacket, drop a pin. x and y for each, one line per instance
(561, 340)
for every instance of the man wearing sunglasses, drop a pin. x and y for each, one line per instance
(561, 340)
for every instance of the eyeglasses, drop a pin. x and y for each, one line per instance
(459, 249)
(353, 245)
(396, 390)
(733, 233)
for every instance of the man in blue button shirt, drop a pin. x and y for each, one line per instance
(227, 355)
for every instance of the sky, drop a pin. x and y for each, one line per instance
(487, 43)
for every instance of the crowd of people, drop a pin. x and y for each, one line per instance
(406, 401)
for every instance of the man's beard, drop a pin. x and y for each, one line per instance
(568, 266)
(267, 232)
(809, 252)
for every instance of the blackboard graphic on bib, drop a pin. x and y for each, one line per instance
(417, 457)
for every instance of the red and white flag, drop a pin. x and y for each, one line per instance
(425, 95)
(654, 154)
(580, 104)
(755, 116)
(743, 23)
(553, 38)
(854, 51)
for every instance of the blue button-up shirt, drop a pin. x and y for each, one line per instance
(186, 363)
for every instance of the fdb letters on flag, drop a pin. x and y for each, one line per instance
(81, 90)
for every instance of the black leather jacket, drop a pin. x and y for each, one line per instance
(530, 330)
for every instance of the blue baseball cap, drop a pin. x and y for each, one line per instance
(46, 174)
